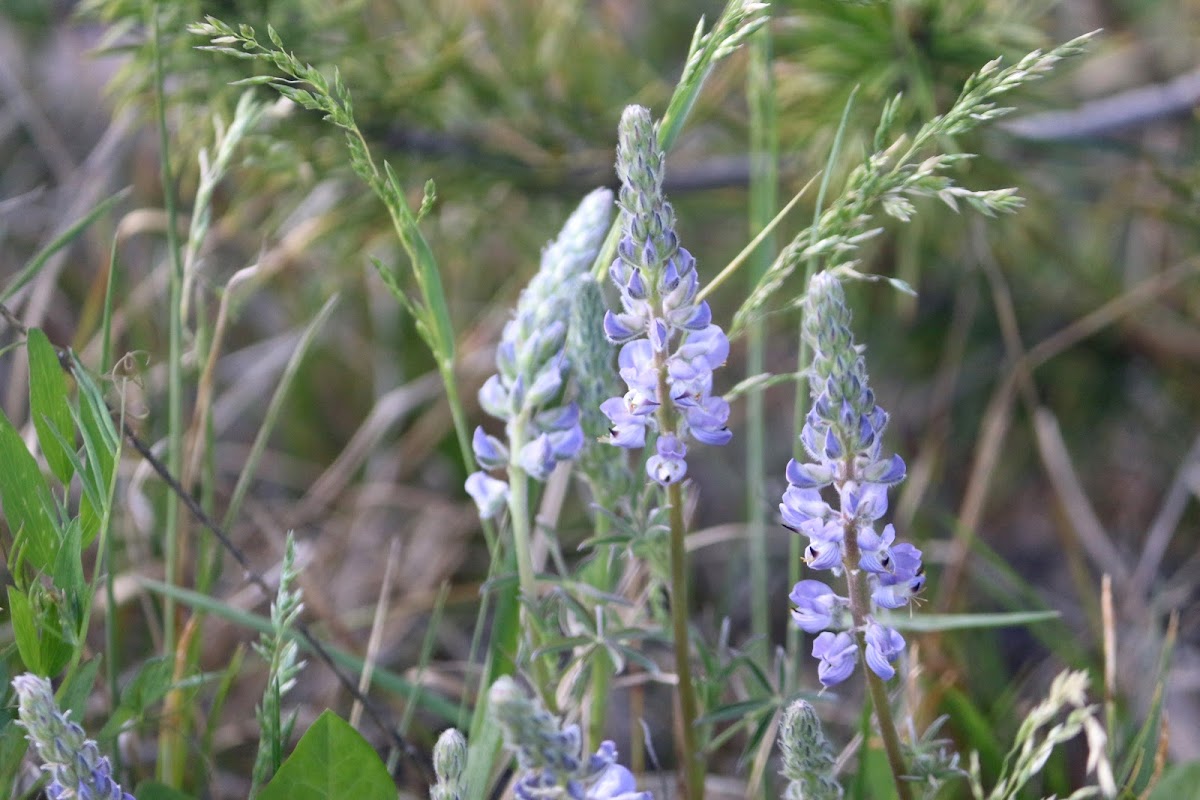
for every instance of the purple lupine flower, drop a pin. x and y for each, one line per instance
(490, 452)
(667, 336)
(490, 494)
(532, 366)
(883, 646)
(628, 427)
(875, 549)
(616, 783)
(842, 436)
(550, 755)
(76, 767)
(804, 511)
(667, 465)
(906, 579)
(816, 605)
(837, 653)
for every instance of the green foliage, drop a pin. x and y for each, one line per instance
(331, 761)
(512, 107)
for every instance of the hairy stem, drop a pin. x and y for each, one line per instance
(691, 765)
(860, 606)
(518, 512)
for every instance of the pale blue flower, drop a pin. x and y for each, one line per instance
(837, 654)
(527, 391)
(884, 645)
(550, 755)
(816, 605)
(490, 494)
(842, 437)
(668, 340)
(616, 783)
(667, 465)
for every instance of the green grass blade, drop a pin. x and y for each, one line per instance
(930, 623)
(383, 678)
(38, 262)
(273, 409)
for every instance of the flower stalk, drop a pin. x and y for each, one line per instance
(669, 349)
(842, 439)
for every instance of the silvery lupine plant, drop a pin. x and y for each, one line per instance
(842, 436)
(76, 767)
(808, 762)
(550, 755)
(670, 346)
(527, 392)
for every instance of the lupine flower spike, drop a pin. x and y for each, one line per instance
(76, 767)
(842, 436)
(668, 339)
(550, 755)
(527, 392)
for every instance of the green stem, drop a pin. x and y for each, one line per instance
(764, 180)
(859, 591)
(690, 762)
(519, 516)
(691, 765)
(168, 760)
(600, 576)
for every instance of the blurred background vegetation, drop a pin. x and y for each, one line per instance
(1038, 474)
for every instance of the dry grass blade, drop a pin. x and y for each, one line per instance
(1064, 479)
(1185, 485)
(377, 626)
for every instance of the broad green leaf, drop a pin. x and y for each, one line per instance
(147, 688)
(25, 630)
(28, 504)
(74, 693)
(101, 443)
(48, 404)
(1179, 781)
(67, 572)
(37, 630)
(12, 749)
(331, 761)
